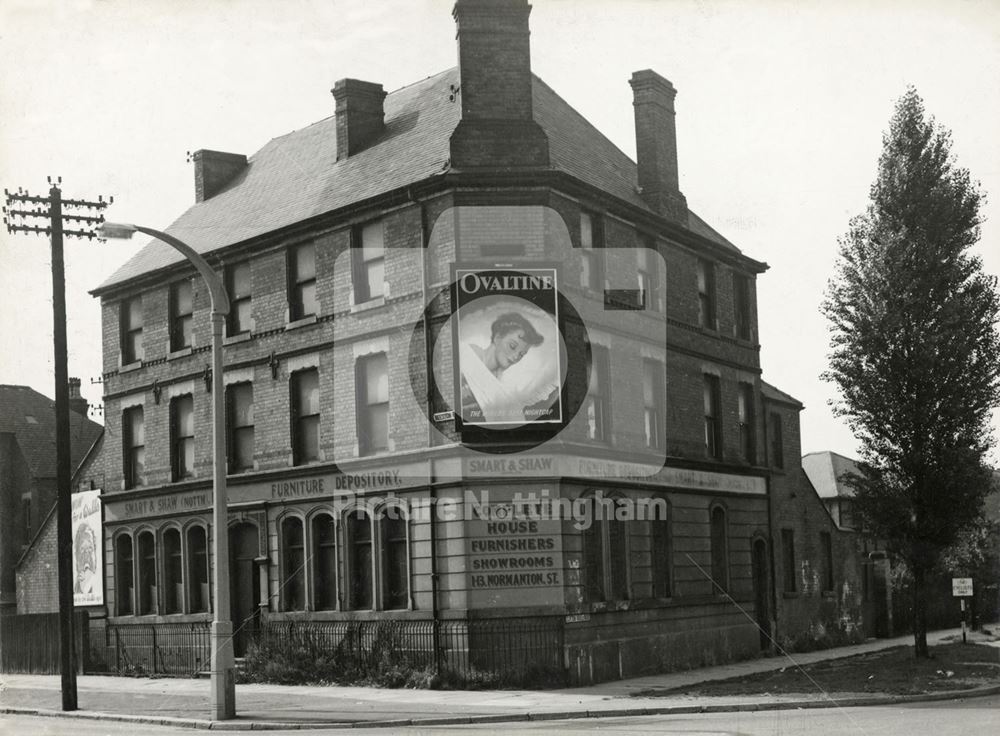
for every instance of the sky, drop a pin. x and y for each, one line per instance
(781, 108)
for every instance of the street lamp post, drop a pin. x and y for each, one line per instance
(223, 675)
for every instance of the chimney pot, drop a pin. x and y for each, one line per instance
(214, 171)
(76, 402)
(656, 144)
(360, 115)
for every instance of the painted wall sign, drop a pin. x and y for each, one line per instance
(88, 546)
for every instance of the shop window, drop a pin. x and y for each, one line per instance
(124, 576)
(359, 541)
(292, 565)
(788, 559)
(181, 314)
(706, 294)
(777, 441)
(741, 306)
(133, 447)
(720, 550)
(591, 237)
(368, 262)
(305, 416)
(238, 289)
(146, 559)
(302, 282)
(713, 424)
(826, 550)
(373, 403)
(240, 426)
(173, 584)
(130, 320)
(597, 402)
(653, 377)
(182, 437)
(606, 573)
(747, 419)
(324, 563)
(198, 589)
(661, 545)
(395, 560)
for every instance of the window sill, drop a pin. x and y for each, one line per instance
(295, 324)
(790, 594)
(129, 367)
(182, 353)
(240, 337)
(375, 303)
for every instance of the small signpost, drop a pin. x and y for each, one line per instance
(961, 588)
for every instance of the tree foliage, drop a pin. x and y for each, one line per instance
(914, 347)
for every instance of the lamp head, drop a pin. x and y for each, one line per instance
(117, 230)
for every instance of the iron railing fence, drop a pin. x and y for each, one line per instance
(181, 649)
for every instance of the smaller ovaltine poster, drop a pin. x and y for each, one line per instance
(508, 370)
(88, 589)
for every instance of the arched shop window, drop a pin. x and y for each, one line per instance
(293, 564)
(198, 589)
(606, 569)
(173, 584)
(124, 576)
(662, 555)
(359, 559)
(720, 550)
(324, 556)
(146, 558)
(395, 567)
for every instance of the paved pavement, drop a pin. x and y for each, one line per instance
(187, 702)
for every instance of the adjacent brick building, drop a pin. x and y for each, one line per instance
(346, 417)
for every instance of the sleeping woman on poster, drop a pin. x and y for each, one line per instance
(500, 384)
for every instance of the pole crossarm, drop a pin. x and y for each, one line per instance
(19, 219)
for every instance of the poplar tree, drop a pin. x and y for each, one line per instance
(915, 351)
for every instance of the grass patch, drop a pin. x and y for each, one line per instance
(892, 671)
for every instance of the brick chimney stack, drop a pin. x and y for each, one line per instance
(656, 144)
(497, 129)
(214, 170)
(360, 115)
(76, 402)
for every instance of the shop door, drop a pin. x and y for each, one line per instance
(244, 585)
(761, 593)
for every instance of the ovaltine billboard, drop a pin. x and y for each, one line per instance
(508, 347)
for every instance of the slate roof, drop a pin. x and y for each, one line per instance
(775, 394)
(31, 418)
(297, 176)
(824, 469)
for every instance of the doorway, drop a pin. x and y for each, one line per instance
(761, 593)
(244, 583)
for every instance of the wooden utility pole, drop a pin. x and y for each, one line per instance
(22, 206)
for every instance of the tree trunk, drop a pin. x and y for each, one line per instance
(920, 612)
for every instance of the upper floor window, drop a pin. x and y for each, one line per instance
(324, 556)
(293, 560)
(373, 403)
(719, 541)
(305, 416)
(240, 434)
(741, 306)
(777, 441)
(368, 262)
(181, 314)
(238, 288)
(597, 407)
(648, 281)
(747, 419)
(713, 424)
(706, 294)
(653, 377)
(130, 320)
(591, 237)
(133, 447)
(182, 437)
(302, 282)
(788, 559)
(395, 559)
